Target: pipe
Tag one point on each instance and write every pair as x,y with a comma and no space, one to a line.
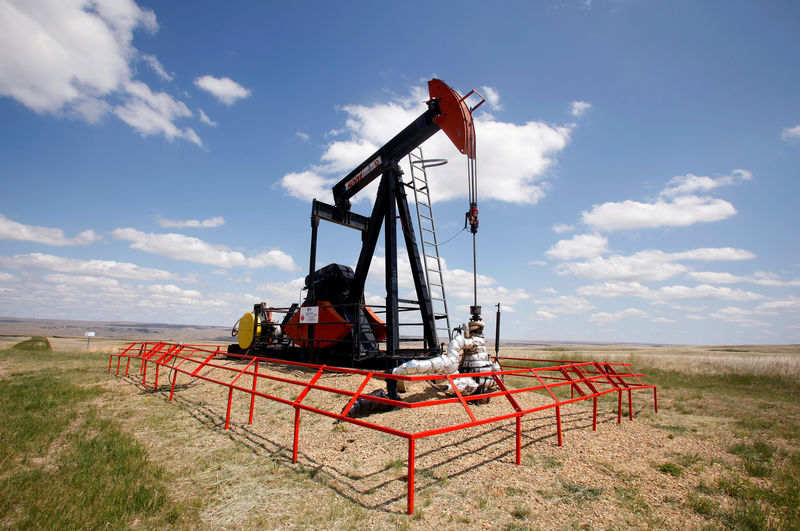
464,354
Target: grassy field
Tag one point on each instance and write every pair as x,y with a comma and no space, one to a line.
80,448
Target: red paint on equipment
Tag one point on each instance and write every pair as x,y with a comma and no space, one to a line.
328,331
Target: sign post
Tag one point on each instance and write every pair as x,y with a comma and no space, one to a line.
89,336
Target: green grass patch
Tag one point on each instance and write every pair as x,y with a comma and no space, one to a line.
36,409
63,466
702,505
37,343
581,492
671,468
756,457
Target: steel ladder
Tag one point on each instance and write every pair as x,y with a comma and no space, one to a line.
429,244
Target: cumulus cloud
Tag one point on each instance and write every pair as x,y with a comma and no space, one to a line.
677,206
679,212
690,184
579,246
12,230
180,247
647,266
492,97
224,89
205,119
562,228
283,293
790,133
605,317
100,268
92,297
668,293
568,304
515,156
579,108
153,62
152,113
73,58
789,304
761,278
308,185
216,221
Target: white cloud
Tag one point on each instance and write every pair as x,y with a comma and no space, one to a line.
689,183
579,246
216,221
103,268
544,315
100,298
205,119
643,266
71,58
790,133
82,281
515,157
180,247
703,291
308,185
790,304
303,136
605,317
734,314
224,89
568,304
667,293
579,108
664,320
679,212
615,289
761,278
677,206
492,97
153,62
152,113
562,228
12,230
282,294
62,52
712,254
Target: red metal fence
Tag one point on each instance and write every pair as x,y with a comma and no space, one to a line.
585,380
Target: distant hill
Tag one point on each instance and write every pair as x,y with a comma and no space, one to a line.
14,326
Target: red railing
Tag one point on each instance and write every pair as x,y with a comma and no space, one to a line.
587,380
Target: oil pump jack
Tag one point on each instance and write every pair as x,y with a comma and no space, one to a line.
333,325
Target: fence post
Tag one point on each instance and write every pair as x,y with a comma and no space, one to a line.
253,395
411,467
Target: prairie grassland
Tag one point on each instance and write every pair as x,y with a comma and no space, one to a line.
82,448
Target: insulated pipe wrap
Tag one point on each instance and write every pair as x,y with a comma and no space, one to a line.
465,353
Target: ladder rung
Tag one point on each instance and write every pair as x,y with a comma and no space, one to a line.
429,230
426,217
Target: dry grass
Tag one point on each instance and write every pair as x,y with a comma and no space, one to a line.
713,360
718,444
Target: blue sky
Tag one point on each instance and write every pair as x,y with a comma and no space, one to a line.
637,161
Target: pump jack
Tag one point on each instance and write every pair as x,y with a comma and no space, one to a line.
333,325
